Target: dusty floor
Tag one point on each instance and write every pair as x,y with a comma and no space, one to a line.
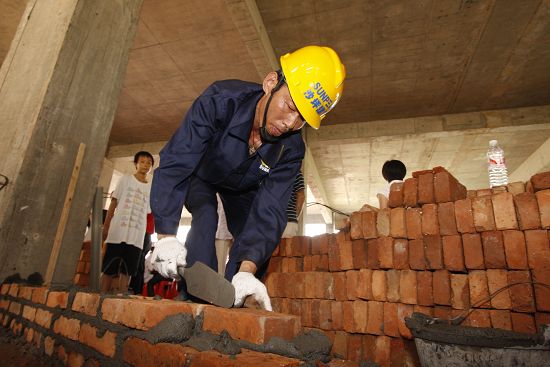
17,352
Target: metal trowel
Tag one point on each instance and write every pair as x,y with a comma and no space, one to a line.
207,285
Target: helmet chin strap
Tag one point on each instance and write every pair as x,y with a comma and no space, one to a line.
265,135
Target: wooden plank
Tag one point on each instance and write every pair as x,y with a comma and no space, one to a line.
64,214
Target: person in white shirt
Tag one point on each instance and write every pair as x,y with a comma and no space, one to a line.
125,225
393,171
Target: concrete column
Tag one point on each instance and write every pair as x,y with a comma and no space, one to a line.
59,87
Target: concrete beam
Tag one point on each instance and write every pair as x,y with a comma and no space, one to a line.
537,161
313,180
59,86
249,22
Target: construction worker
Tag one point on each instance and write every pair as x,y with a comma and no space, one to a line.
241,140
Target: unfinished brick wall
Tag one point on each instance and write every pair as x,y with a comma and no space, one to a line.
438,249
88,329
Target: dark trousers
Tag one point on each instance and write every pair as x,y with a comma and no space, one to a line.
136,282
202,203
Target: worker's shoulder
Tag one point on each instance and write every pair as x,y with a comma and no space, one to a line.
233,88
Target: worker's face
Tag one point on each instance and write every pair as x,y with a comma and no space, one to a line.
144,164
282,114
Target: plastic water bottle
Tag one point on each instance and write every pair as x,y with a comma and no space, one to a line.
498,175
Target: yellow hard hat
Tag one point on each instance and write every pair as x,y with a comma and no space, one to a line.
315,78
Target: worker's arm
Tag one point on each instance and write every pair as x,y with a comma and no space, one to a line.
178,160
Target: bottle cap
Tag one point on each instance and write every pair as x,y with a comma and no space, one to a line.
493,143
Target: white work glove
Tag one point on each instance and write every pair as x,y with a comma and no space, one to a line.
246,284
148,272
168,255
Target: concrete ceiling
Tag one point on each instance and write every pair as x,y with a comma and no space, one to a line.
404,59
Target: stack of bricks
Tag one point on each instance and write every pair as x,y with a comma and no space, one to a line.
439,250
87,329
82,273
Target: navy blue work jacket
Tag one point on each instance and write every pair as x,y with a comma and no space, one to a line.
212,143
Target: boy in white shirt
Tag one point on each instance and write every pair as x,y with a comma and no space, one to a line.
125,224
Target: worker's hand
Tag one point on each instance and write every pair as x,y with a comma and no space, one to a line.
168,255
246,284
148,273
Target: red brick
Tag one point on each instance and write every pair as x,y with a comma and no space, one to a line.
356,228
375,319
364,284
347,316
522,293
424,281
543,201
385,252
473,251
333,253
430,224
479,289
516,187
542,293
527,211
354,347
319,244
140,353
15,308
453,255
26,292
413,219
398,227
106,344
402,312
392,285
29,313
460,293
5,288
383,222
500,319
497,279
146,313
408,286
538,249
541,181
426,188
359,253
400,253
479,318
368,224
493,248
336,315
352,279
416,174
442,287
67,327
75,359
340,344
339,284
346,255
379,285
529,187
464,216
43,318
275,264
504,210
433,252
14,290
391,324
396,195
382,351
523,323
57,299
372,254
307,264
484,219
276,251
542,318
484,192
322,264
446,218
446,187
306,311
86,303
300,246
323,282
443,313
515,249
417,260
410,192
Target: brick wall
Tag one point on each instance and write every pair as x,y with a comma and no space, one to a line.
86,329
439,249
